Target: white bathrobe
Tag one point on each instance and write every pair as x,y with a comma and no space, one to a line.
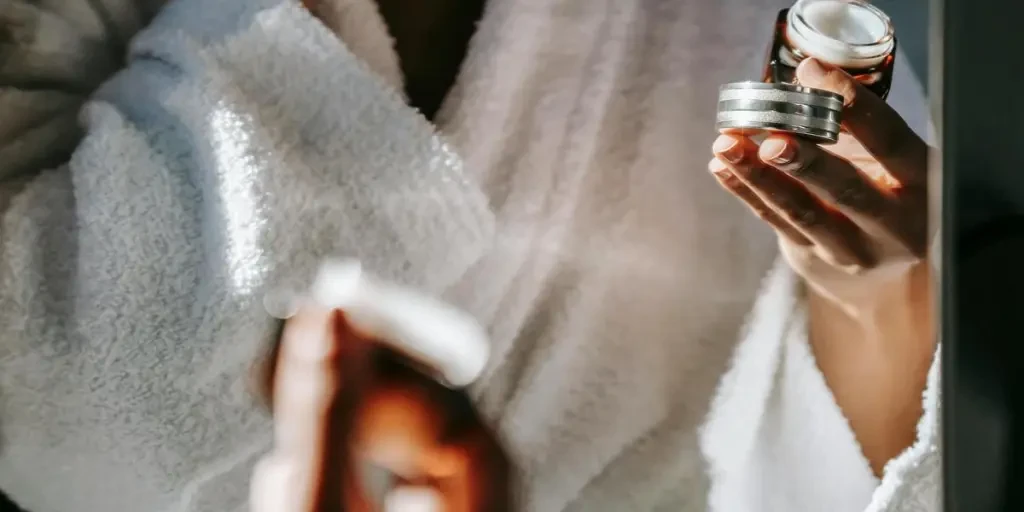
561,197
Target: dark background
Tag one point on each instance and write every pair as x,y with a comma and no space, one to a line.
982,275
910,17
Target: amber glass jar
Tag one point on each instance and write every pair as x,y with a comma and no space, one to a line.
851,34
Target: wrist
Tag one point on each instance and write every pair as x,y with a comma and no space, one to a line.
897,307
875,353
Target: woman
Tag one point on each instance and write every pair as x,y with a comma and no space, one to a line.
558,193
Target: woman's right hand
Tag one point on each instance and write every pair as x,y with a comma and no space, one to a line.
335,407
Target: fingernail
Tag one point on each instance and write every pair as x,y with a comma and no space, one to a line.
726,178
728,148
781,152
811,72
281,303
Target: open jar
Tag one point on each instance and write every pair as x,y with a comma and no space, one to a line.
851,34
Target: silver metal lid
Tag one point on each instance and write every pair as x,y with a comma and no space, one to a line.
777,107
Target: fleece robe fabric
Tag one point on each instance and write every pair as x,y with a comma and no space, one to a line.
159,186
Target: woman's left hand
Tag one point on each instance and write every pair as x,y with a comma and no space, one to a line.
852,217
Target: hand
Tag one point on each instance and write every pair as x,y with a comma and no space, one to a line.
340,400
851,218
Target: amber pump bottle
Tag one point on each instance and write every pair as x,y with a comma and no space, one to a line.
851,34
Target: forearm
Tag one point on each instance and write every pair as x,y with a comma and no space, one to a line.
875,354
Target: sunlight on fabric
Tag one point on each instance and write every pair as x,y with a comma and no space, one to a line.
237,173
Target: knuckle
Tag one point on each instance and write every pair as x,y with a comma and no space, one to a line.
808,217
753,173
717,167
763,213
852,195
804,217
805,168
731,182
841,83
845,86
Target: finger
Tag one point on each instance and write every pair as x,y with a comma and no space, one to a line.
841,184
826,227
264,370
871,120
833,177
480,477
731,183
306,381
271,486
278,485
312,417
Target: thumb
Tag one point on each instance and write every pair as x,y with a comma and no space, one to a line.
872,121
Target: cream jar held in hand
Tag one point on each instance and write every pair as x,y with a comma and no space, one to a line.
850,34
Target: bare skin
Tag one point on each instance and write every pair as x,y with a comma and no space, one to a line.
355,402
876,362
852,222
868,289
341,400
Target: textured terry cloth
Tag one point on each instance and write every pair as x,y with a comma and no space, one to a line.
243,142
241,145
777,442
